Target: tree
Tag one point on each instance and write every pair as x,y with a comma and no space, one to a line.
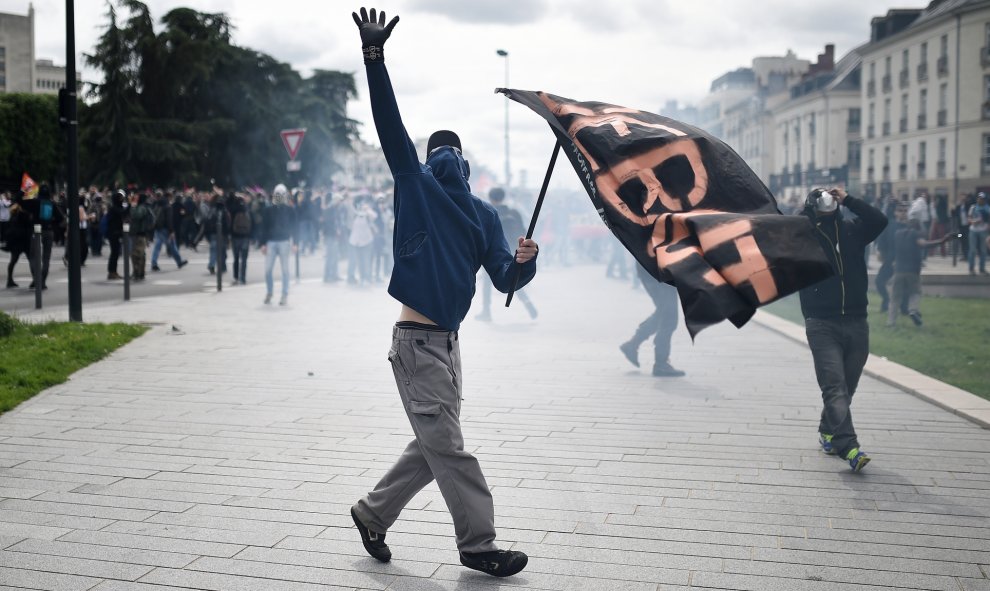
30,139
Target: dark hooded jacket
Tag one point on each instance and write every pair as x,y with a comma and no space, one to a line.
844,242
443,234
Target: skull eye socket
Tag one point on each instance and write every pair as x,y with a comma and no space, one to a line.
677,177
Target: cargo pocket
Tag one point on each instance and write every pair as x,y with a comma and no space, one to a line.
418,407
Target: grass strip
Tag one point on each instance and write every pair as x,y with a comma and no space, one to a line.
950,346
34,357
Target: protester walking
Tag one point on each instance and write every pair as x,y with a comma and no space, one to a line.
240,237
660,325
443,235
48,216
115,232
142,227
910,243
835,311
18,236
277,238
979,222
512,228
164,233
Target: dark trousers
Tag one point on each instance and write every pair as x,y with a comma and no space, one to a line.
839,347
114,253
47,238
241,248
662,323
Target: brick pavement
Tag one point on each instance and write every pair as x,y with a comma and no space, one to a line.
224,456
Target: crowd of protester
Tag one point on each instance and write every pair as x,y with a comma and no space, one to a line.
354,228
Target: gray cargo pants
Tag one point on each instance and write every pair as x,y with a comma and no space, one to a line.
427,368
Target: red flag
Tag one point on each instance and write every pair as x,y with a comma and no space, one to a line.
28,186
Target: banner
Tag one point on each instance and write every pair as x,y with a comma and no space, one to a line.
686,206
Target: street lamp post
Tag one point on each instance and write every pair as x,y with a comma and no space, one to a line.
72,165
508,173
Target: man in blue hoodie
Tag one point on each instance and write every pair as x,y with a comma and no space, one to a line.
443,235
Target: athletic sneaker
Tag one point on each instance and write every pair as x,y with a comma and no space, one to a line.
374,542
631,351
497,563
857,459
826,442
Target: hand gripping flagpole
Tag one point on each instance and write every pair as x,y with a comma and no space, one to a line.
532,221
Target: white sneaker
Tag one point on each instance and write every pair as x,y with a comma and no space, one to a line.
283,300
268,298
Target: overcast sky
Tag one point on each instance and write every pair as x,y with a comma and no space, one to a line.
443,63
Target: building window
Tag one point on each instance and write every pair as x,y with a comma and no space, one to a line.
923,109
854,151
986,154
869,165
902,169
854,123
940,165
886,116
886,163
944,46
904,59
872,120
922,159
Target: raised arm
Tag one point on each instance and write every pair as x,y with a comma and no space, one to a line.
400,152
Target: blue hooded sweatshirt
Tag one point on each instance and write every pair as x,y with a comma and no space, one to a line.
443,234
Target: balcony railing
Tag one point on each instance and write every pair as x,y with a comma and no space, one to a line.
905,78
921,169
922,71
903,126
985,56
853,127
886,83
902,172
943,66
871,88
940,169
886,127
870,134
922,121
943,117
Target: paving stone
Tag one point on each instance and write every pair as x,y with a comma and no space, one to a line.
240,480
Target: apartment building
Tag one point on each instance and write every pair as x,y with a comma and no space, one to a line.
926,101
17,52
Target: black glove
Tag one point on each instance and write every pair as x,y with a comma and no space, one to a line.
374,33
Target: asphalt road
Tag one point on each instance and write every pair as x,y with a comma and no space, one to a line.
194,277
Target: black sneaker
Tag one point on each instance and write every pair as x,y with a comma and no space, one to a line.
498,563
155,268
915,317
374,542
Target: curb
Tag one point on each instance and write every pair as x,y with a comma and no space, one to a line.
955,400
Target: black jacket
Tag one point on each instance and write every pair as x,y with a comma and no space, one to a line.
279,224
844,242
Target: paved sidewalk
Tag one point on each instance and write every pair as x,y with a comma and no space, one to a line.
224,454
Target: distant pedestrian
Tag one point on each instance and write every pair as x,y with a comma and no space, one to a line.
142,227
835,311
444,234
660,325
277,237
979,222
240,236
909,244
49,217
115,232
164,232
513,229
331,244
18,237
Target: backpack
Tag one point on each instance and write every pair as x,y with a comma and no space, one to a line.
46,210
242,223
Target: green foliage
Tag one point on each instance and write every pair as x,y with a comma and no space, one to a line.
183,105
30,138
38,356
7,325
950,346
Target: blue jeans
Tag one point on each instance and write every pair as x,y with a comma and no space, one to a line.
162,237
839,347
978,248
280,249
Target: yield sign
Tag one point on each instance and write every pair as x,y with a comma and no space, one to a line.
292,139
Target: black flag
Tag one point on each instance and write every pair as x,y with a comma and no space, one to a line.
686,206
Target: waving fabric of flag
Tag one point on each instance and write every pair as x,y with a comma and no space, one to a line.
686,206
28,186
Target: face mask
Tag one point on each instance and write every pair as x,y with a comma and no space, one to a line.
826,203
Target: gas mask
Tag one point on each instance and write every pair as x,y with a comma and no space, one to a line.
823,201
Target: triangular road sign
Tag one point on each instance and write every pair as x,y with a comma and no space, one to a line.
292,139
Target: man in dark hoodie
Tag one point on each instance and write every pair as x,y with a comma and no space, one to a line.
443,236
835,314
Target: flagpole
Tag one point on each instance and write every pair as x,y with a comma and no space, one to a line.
532,221
74,245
